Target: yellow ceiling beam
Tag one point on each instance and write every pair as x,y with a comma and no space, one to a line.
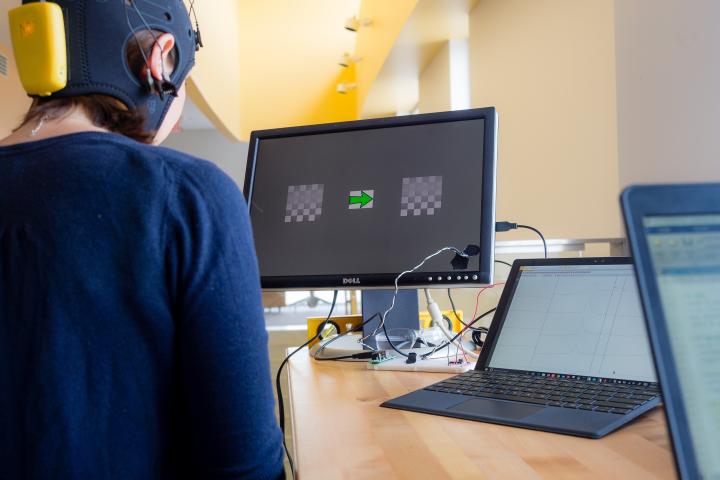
271,64
333,106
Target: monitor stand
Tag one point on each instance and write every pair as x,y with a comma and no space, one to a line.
404,315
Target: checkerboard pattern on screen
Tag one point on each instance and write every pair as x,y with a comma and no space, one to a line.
304,203
421,196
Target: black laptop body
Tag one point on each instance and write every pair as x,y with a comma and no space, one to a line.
619,384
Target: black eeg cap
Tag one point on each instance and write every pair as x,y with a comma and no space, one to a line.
97,38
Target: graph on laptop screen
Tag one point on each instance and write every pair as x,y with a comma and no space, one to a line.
576,320
685,252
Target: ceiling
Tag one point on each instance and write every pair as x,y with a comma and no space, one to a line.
269,64
272,64
433,22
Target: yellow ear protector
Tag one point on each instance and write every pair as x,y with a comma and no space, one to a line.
38,37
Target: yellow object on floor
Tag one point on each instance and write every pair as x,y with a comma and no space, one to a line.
456,325
342,324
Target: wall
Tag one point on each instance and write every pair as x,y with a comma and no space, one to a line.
434,83
444,82
459,73
13,100
212,145
549,68
374,43
213,82
396,89
668,76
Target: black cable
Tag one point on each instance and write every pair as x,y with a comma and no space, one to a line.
355,328
354,356
382,322
528,227
165,85
477,336
278,386
362,354
198,36
503,262
448,322
336,337
459,334
390,341
452,304
507,226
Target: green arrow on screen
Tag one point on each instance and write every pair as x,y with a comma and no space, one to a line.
363,199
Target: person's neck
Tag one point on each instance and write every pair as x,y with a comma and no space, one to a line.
75,121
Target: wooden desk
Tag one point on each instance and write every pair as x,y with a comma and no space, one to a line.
340,432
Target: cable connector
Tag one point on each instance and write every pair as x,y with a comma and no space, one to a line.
505,226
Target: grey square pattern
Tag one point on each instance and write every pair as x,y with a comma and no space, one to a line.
304,203
421,196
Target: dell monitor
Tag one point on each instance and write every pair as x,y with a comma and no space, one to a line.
354,204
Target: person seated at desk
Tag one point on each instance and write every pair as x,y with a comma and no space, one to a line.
132,340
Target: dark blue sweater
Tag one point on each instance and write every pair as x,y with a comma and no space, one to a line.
132,341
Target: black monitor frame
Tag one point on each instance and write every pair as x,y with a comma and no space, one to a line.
350,280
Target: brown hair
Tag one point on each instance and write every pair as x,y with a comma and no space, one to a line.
103,110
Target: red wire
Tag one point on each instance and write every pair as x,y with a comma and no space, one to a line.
477,302
459,346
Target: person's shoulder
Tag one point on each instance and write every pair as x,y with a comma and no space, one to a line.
186,169
179,160
196,180
194,170
189,174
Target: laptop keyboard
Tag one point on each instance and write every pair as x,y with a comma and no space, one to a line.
551,390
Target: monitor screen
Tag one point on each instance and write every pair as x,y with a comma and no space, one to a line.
685,253
356,203
581,320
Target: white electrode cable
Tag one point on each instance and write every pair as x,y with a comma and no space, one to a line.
438,321
397,279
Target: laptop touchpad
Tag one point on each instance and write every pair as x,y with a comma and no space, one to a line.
496,408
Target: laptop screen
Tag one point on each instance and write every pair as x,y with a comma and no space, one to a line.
583,320
685,252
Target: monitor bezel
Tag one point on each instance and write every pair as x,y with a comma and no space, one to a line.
638,203
350,280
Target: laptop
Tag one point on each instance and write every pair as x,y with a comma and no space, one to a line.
674,233
567,352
